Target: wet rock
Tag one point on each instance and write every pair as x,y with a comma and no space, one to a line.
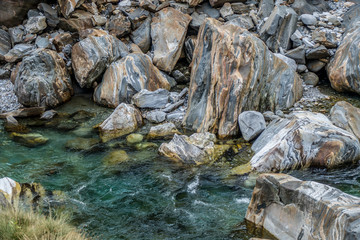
189,47
119,26
196,149
151,99
13,12
347,117
162,131
134,138
115,157
168,32
318,53
9,192
51,15
251,124
42,80
29,139
124,78
145,145
307,209
91,56
48,115
18,52
343,70
5,44
235,83
306,139
35,24
155,116
219,3
12,125
16,34
68,6
25,112
124,120
278,28
310,78
81,144
141,36
308,19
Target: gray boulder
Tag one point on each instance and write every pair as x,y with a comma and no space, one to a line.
16,34
310,78
155,116
308,19
265,8
251,124
290,62
35,24
151,99
51,14
142,35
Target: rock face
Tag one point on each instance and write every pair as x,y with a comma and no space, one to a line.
126,77
251,124
233,71
306,139
346,116
168,32
124,120
91,56
293,209
42,80
344,70
13,12
279,27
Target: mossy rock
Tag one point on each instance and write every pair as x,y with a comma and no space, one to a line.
145,145
115,157
134,138
242,169
29,139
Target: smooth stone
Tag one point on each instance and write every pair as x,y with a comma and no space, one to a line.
298,54
308,19
318,53
316,66
115,157
155,116
310,78
51,14
29,139
134,138
163,131
290,62
251,124
145,145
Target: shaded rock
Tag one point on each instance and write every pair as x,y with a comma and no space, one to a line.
51,15
25,112
9,192
197,20
310,78
189,47
68,6
250,77
134,138
175,116
12,125
265,8
165,130
18,52
219,3
119,26
208,10
155,116
315,65
196,149
347,117
80,144
151,99
310,6
124,120
13,12
306,139
308,19
343,70
5,44
278,28
318,53
241,8
168,32
91,56
16,34
288,208
137,17
298,54
142,35
179,77
80,20
61,40
251,124
115,157
29,139
48,115
42,80
328,39
124,78
35,24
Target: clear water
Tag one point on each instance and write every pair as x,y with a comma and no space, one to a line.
148,197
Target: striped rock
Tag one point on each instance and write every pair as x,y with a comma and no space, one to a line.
42,80
168,32
91,56
126,77
293,209
233,71
344,68
346,116
306,139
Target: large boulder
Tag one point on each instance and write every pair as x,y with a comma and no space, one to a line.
289,208
168,32
91,56
42,80
13,12
343,69
233,71
124,120
126,77
346,116
305,139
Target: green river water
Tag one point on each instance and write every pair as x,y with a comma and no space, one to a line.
148,197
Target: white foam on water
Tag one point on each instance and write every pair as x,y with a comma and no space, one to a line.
242,200
192,187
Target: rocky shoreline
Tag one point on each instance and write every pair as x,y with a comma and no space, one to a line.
219,70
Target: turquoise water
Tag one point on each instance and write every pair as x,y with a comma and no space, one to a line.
148,197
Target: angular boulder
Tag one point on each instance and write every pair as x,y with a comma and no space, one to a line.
68,6
233,71
124,78
168,32
346,116
124,120
91,56
306,139
151,99
162,131
142,35
343,70
42,80
289,208
35,24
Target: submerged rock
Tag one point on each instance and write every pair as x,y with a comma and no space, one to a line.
126,77
306,139
29,139
134,138
80,144
293,209
124,120
43,80
168,32
115,157
233,71
346,116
